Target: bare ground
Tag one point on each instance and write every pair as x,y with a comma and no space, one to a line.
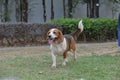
83,49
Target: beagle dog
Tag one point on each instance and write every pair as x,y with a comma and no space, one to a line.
60,44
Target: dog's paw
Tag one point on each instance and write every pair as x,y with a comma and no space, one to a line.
64,63
53,66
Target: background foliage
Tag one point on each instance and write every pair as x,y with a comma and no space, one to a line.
95,29
21,34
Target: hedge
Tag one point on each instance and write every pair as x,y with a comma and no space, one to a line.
24,34
95,29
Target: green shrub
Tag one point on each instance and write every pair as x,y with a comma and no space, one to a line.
95,29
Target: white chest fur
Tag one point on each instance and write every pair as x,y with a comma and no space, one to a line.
58,48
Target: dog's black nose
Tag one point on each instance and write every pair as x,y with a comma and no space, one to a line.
49,36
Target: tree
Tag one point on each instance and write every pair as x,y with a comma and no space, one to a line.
24,6
70,8
6,13
1,10
52,10
114,6
18,11
97,8
21,10
64,9
44,10
92,7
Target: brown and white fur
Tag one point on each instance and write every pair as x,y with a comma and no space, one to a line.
60,45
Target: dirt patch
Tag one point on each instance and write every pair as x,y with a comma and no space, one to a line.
98,48
83,49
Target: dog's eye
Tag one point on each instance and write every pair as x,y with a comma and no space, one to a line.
54,32
48,33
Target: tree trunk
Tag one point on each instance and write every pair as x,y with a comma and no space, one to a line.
44,10
88,9
97,8
93,8
24,10
64,10
21,10
70,14
18,11
52,10
92,14
6,13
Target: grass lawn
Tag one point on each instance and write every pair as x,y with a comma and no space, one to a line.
37,67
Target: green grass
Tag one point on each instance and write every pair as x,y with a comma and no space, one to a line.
103,67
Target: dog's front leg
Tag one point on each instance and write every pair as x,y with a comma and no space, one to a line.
54,60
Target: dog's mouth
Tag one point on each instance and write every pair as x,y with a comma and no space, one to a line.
52,40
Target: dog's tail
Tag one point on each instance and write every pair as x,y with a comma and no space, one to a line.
80,28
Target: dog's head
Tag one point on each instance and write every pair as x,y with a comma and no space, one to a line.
54,36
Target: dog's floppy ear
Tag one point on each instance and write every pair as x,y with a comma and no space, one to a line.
47,34
61,36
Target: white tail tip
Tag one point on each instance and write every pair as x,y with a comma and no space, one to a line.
80,25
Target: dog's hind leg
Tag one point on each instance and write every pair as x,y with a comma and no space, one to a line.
75,56
65,57
73,48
